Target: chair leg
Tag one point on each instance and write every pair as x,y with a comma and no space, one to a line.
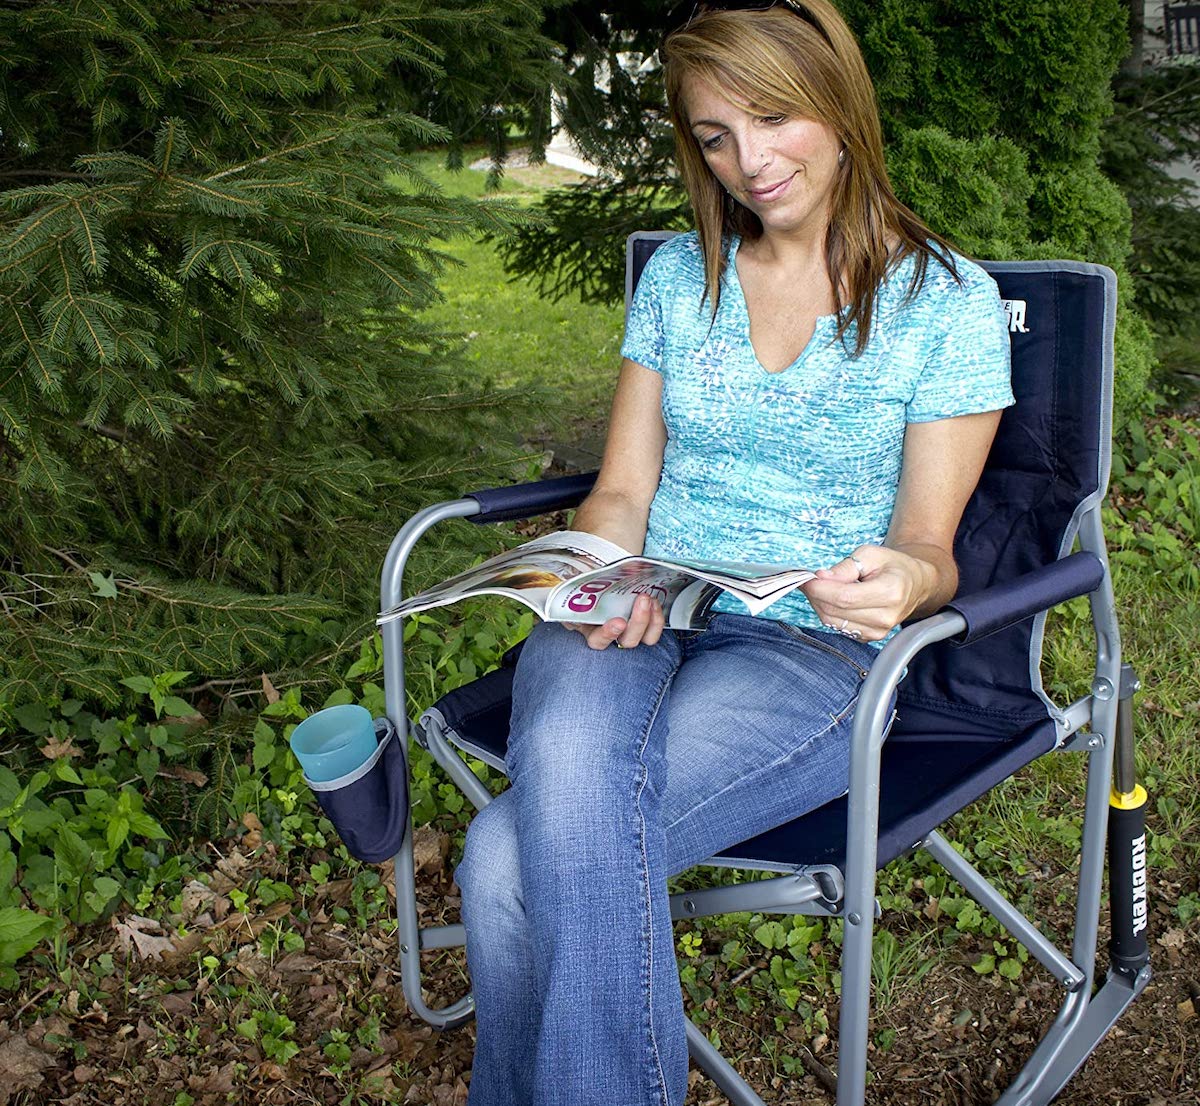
718,1069
854,1019
408,933
1072,1039
1084,1018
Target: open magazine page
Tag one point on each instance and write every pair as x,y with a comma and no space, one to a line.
528,573
746,579
610,593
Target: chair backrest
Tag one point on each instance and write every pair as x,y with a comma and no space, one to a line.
1181,28
1048,465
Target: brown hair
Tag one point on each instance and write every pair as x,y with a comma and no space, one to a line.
779,63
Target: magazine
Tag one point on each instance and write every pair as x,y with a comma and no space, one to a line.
573,576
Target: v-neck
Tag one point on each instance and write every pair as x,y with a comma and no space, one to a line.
735,285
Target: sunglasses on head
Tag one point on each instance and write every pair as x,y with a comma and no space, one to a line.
681,16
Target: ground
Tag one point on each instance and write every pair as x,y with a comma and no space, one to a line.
168,1026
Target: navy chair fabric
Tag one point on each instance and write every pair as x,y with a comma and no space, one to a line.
369,806
526,500
972,712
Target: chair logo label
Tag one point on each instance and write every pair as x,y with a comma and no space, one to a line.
1140,902
1015,310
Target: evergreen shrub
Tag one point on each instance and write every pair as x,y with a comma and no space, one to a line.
217,393
993,112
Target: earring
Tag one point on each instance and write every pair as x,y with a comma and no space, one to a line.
841,157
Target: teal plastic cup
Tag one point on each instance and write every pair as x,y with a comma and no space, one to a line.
334,741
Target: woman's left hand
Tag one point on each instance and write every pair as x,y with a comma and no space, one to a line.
869,592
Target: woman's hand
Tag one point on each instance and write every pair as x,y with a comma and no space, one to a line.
872,590
644,626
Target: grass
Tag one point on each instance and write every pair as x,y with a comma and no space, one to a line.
562,351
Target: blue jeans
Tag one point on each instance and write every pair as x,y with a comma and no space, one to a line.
628,766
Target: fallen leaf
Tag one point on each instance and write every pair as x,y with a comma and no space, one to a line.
253,837
178,1002
271,1070
255,925
54,749
220,1081
430,849
21,1067
269,691
195,898
1186,1010
298,963
188,775
144,935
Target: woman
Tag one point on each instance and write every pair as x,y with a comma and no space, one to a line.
811,378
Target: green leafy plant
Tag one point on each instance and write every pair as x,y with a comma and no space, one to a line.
272,1031
1155,518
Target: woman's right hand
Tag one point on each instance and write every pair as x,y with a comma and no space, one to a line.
644,626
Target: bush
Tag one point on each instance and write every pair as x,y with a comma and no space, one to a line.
216,386
992,112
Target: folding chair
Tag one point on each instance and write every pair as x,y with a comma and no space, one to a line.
971,708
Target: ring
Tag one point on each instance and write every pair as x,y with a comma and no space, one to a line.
618,645
862,571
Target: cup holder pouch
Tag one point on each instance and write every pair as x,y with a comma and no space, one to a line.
369,806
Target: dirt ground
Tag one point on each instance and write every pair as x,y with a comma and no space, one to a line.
160,1029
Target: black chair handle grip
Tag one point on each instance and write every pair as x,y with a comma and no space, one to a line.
528,500
1004,605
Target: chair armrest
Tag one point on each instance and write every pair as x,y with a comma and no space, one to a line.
527,500
1004,605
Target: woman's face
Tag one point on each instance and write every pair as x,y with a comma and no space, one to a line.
781,168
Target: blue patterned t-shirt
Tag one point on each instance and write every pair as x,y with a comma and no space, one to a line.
801,467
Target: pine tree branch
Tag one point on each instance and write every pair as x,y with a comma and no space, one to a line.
276,155
45,174
112,433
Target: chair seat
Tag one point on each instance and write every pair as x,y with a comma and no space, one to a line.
927,778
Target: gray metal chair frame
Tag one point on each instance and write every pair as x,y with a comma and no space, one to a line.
1098,724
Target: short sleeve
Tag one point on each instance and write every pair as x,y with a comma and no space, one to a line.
644,339
969,370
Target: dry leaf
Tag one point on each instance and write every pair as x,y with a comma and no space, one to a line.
241,923
53,749
1186,1010
178,1002
232,867
21,1067
187,944
253,837
220,1081
144,935
430,849
1173,939
298,963
196,897
188,775
269,689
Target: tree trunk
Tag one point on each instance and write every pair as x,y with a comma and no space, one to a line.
1134,60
